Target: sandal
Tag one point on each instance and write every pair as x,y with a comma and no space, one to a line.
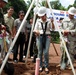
46,70
40,70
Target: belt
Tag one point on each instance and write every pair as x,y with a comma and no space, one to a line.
45,34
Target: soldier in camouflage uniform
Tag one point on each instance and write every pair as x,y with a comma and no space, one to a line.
68,29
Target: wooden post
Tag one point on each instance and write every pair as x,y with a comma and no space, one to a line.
54,48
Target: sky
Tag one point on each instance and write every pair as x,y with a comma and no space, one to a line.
65,3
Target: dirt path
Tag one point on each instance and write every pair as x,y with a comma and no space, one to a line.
29,67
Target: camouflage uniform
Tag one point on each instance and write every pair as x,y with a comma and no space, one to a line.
70,40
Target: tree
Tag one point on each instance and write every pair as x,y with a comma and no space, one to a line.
18,5
54,4
31,12
69,6
74,4
57,5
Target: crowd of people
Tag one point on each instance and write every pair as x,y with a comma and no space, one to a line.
41,38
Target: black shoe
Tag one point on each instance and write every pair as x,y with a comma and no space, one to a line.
22,61
34,59
16,61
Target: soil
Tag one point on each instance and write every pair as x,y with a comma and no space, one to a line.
29,67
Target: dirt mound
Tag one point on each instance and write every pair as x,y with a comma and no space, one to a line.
29,67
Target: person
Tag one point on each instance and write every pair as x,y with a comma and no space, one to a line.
60,21
9,22
1,28
21,38
29,26
42,32
68,29
2,35
3,3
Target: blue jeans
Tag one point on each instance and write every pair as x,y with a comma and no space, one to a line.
43,51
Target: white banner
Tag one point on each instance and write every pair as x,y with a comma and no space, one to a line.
58,14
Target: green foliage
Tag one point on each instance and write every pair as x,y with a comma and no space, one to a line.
18,5
55,36
43,3
74,4
69,6
31,12
57,5
54,4
21,5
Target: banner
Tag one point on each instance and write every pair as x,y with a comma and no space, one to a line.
58,14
